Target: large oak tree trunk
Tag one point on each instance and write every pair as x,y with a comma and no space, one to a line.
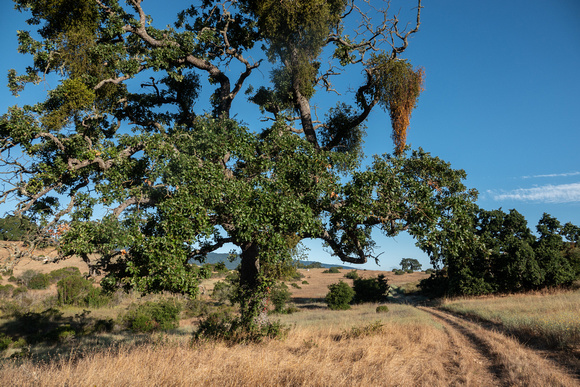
253,296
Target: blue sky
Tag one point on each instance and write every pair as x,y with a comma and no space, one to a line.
501,101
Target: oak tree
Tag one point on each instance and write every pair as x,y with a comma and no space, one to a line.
135,148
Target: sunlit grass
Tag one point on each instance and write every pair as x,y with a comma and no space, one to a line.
321,318
553,319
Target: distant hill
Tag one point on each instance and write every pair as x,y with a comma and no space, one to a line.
214,258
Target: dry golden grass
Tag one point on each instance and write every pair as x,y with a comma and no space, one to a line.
409,347
550,316
407,355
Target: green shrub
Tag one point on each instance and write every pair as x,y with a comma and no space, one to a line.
339,296
399,272
224,326
39,281
218,326
371,289
25,277
195,308
6,290
12,279
223,291
5,341
57,275
72,290
332,270
429,271
382,309
352,275
305,282
279,297
19,290
221,268
96,298
295,285
153,316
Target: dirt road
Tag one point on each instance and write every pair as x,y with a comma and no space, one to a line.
489,358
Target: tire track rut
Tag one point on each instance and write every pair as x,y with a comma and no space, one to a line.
485,357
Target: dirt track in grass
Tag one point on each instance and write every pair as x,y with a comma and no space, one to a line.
496,359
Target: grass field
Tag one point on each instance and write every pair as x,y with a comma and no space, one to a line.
406,346
552,318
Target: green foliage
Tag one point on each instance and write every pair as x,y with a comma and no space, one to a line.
410,264
339,296
16,228
382,309
371,289
332,270
72,290
504,256
227,289
78,291
223,326
5,341
19,290
223,291
153,316
295,285
6,290
39,281
353,274
313,265
125,127
279,296
221,268
58,274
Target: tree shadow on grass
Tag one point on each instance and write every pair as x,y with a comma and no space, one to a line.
309,303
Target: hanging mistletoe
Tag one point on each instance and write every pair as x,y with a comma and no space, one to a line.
397,86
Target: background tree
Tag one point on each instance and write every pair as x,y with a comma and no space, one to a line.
410,264
151,178
16,228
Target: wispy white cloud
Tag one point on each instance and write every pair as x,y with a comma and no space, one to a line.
553,175
562,193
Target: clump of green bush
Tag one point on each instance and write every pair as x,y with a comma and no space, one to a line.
352,275
332,270
371,289
58,274
223,326
78,291
382,309
153,316
6,290
5,341
280,295
339,296
39,281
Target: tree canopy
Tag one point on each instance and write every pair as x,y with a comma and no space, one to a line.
136,151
